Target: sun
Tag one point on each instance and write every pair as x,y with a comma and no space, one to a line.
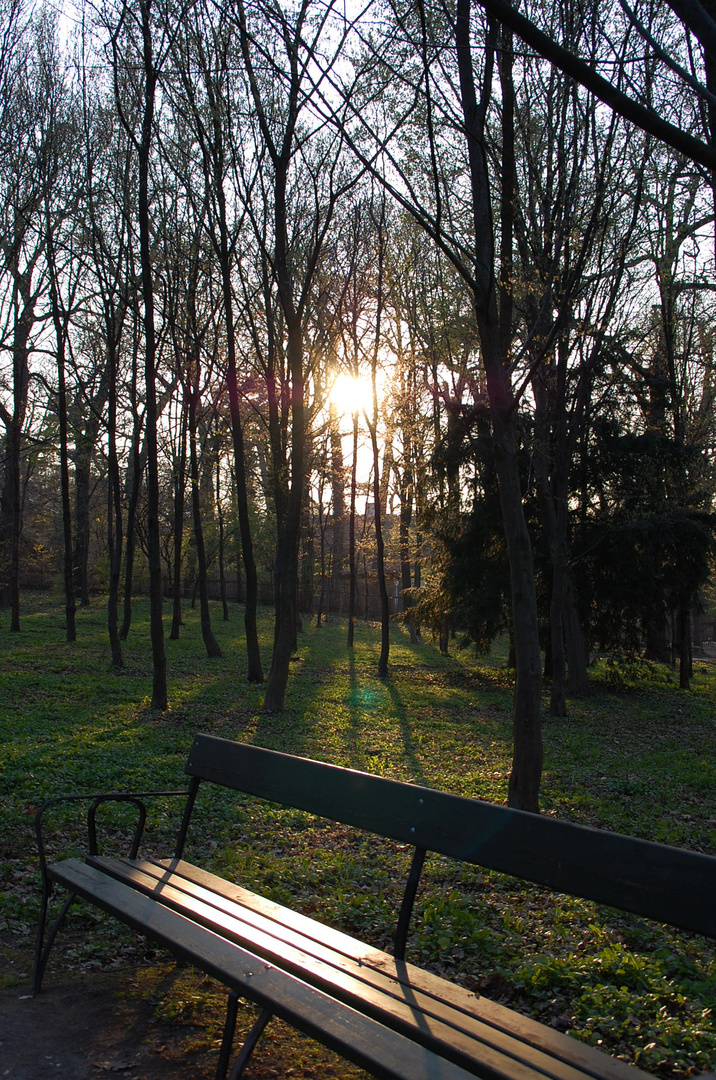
350,394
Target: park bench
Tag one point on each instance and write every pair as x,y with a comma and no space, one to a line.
388,1016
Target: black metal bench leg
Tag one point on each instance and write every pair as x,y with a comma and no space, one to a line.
247,1049
249,1044
42,948
222,1066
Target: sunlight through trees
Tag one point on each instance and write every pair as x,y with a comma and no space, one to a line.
394,311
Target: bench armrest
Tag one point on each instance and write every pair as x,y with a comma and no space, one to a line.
95,801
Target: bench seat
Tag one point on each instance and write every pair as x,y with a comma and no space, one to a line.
295,965
388,1016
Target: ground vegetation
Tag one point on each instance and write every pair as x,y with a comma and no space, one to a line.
636,756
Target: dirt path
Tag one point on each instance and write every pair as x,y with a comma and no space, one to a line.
150,1023
82,1030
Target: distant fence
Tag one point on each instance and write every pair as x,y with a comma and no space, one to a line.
335,600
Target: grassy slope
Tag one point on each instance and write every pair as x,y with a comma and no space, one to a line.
638,756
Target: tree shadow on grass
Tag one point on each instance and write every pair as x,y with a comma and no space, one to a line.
361,697
417,773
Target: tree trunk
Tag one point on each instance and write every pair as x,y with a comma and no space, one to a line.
82,460
159,660
307,559
289,532
526,771
114,515
222,570
685,656
322,557
338,481
11,508
210,643
21,382
406,515
577,659
255,672
697,637
554,524
380,488
60,340
352,568
558,689
380,559
137,469
523,791
16,526
179,501
85,442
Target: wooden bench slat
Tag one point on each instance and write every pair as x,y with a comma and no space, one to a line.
455,1033
382,1051
409,1019
540,1036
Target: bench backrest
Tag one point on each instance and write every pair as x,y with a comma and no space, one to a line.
653,880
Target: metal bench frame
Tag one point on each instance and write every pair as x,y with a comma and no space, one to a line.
388,1016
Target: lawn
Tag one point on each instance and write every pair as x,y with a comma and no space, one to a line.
638,755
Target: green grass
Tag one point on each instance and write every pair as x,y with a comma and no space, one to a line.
637,755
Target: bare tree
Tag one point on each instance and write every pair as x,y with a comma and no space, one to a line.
483,258
300,174
192,321
209,44
107,185
30,160
134,31
65,268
